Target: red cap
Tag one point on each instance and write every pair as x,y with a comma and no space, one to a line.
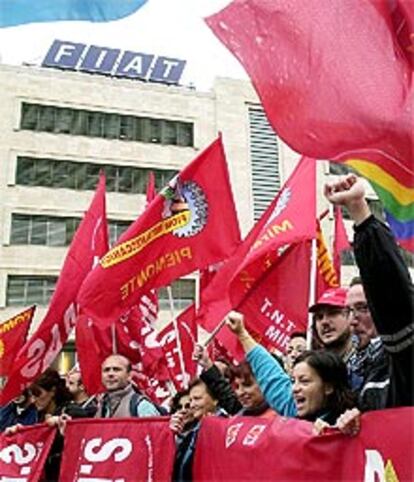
331,297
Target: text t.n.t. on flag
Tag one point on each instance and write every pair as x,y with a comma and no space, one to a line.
89,243
192,223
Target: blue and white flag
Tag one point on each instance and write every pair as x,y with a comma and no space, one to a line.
17,12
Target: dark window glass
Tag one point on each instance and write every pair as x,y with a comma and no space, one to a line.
29,116
116,228
83,176
20,229
62,120
27,290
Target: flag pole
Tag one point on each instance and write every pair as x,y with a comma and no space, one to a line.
177,335
312,292
214,333
114,344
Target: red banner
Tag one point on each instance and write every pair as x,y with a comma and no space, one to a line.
13,333
247,448
23,455
118,450
89,244
178,353
192,223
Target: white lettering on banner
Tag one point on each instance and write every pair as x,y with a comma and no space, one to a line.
40,356
253,435
374,467
150,467
14,454
108,449
94,451
232,433
284,326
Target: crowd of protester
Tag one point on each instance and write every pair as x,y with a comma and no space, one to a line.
362,359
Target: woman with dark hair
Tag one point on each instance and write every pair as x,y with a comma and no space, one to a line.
318,388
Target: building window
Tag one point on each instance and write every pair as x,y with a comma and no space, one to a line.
82,176
29,229
264,155
183,293
62,120
29,290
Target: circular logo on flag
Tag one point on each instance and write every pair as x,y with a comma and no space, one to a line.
186,197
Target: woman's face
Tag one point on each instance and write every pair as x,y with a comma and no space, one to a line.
309,390
184,407
248,392
43,399
201,403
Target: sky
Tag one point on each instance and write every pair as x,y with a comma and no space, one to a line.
172,28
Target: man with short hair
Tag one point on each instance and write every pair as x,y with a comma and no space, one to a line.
121,399
389,294
81,405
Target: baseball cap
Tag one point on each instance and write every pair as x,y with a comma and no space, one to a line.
331,297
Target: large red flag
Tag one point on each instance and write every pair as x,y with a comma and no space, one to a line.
118,450
13,333
192,223
179,353
290,218
23,455
334,90
286,450
89,243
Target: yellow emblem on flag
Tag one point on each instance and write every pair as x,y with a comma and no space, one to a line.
1,348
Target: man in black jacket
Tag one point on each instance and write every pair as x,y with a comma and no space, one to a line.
389,294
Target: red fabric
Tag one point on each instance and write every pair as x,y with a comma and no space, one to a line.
89,243
284,221
13,333
187,331
125,450
341,242
23,455
331,89
277,303
161,246
286,450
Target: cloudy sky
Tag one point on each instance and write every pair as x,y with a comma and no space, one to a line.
173,28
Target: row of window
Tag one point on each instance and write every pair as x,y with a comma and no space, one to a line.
29,290
54,230
32,171
62,120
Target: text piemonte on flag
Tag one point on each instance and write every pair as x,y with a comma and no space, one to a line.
192,223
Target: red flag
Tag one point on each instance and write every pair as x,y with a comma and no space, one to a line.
276,304
320,75
118,450
290,218
281,449
23,455
187,332
333,90
341,242
192,223
13,333
89,243
151,192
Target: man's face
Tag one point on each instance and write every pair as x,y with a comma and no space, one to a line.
201,402
73,383
332,326
359,316
115,374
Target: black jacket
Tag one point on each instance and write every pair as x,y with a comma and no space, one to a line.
221,389
390,296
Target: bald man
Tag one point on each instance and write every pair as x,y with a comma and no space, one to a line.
121,399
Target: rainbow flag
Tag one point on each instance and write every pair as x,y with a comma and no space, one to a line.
394,185
18,12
